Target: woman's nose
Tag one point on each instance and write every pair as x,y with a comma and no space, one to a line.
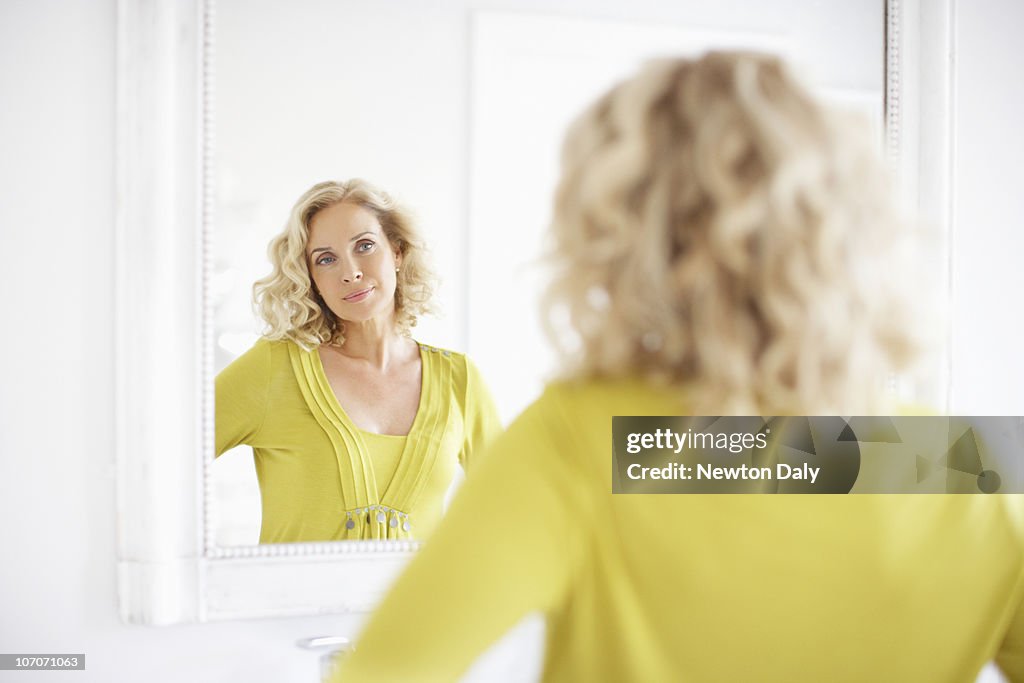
354,276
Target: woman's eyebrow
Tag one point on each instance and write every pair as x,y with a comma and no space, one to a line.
362,234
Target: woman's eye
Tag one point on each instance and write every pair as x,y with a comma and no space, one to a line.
325,260
364,247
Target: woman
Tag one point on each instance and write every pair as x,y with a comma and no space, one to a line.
722,244
355,427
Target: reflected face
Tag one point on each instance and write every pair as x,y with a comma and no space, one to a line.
352,263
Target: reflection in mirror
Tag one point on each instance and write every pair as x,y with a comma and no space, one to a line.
355,427
456,110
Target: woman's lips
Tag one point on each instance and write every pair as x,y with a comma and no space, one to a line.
356,297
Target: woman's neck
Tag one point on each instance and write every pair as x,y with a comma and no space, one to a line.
374,342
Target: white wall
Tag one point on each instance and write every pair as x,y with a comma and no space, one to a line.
57,585
988,246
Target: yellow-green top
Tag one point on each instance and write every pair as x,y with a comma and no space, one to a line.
324,479
696,587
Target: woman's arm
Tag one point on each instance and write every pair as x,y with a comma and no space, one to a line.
241,396
482,422
1010,656
508,546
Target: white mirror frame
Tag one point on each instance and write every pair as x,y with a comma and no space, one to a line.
169,570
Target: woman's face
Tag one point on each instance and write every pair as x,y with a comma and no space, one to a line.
352,263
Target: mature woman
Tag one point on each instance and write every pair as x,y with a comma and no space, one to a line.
723,248
355,427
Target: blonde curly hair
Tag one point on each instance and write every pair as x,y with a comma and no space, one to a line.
715,227
287,300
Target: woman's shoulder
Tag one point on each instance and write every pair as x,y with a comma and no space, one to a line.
265,347
583,399
443,352
624,394
261,357
459,362
458,366
275,347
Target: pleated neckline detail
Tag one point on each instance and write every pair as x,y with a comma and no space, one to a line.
373,509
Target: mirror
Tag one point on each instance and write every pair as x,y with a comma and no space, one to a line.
227,114
459,112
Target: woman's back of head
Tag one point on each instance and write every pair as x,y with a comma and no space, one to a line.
716,226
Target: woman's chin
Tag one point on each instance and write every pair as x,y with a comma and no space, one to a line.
360,315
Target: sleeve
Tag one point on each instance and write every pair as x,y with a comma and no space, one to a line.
482,421
507,547
241,393
1010,657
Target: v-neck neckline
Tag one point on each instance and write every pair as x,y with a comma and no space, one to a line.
427,441
318,367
